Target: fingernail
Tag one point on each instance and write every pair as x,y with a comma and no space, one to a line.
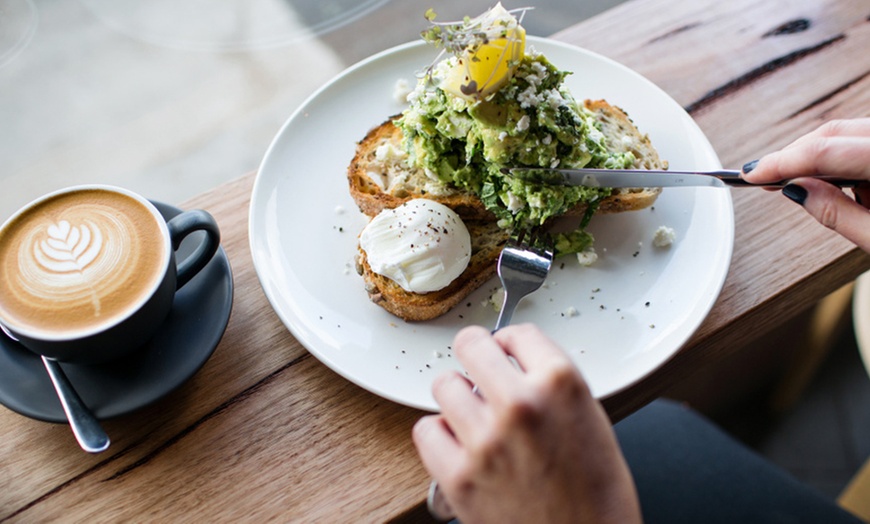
749,166
795,193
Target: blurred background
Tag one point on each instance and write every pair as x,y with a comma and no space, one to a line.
171,98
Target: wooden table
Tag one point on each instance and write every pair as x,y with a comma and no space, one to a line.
266,431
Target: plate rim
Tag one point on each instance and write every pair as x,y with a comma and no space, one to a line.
298,331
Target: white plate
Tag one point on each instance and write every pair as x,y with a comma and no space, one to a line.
637,305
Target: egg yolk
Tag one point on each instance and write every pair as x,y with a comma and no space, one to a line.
485,70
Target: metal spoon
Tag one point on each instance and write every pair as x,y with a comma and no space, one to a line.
85,426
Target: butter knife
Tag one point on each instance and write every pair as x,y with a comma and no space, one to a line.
621,178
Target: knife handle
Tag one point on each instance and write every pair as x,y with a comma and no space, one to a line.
733,179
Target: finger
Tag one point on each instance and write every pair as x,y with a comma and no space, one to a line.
460,406
486,362
855,127
531,348
550,372
833,209
438,449
847,157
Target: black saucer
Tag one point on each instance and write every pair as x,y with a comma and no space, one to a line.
187,339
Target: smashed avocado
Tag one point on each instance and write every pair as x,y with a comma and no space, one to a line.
532,121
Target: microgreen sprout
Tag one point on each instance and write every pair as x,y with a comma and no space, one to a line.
464,38
470,33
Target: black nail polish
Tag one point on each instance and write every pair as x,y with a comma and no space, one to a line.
796,193
749,166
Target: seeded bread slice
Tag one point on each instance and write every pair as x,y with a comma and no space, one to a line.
622,136
379,177
487,240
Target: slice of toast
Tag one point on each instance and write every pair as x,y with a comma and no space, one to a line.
622,135
487,240
380,178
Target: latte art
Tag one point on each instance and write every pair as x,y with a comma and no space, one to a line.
69,248
80,260
59,261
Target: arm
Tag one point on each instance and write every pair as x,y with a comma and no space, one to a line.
838,148
534,446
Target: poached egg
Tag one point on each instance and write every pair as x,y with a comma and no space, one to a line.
421,245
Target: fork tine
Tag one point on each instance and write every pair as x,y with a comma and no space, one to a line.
534,236
549,244
518,236
541,239
530,237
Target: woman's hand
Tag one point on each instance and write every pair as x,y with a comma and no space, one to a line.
839,148
534,446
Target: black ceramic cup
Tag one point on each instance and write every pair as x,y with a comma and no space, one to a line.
89,273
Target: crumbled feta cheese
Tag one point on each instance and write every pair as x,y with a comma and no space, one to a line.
401,90
528,98
515,203
388,153
664,236
555,99
523,123
571,312
587,257
595,134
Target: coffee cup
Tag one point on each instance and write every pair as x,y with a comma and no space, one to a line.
89,273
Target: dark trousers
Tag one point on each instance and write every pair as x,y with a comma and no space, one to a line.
687,470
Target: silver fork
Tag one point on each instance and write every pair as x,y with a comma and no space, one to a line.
523,266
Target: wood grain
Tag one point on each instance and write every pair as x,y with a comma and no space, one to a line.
749,73
264,431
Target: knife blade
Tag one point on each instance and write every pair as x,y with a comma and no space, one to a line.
630,178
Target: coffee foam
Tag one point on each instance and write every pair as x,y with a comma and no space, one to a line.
78,261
